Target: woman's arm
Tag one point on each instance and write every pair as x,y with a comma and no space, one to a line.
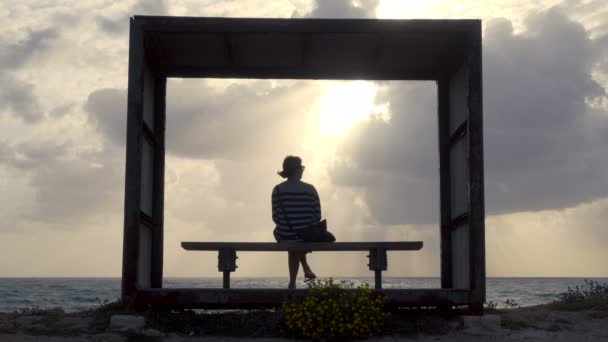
317,211
275,205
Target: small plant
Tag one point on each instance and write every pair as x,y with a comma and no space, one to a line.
333,310
491,305
508,304
511,304
590,290
591,295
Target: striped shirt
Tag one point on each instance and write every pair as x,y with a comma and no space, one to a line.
301,204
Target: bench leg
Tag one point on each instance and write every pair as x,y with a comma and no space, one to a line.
377,263
226,263
226,279
378,276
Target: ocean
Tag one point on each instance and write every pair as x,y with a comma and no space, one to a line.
75,294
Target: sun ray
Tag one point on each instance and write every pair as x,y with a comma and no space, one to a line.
346,103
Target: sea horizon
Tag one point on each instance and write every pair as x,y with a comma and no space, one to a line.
82,293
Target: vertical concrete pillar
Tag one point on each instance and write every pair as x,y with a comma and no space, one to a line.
476,176
144,173
133,165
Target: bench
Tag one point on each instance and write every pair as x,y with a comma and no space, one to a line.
377,252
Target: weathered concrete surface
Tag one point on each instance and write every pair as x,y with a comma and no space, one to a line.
526,324
45,324
481,325
81,338
7,323
524,335
127,323
151,333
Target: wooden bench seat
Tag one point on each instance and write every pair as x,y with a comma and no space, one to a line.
377,252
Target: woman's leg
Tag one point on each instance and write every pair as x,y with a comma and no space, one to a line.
294,265
307,271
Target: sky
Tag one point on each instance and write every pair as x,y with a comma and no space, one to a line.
370,148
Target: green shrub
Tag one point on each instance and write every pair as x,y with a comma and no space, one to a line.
508,304
591,295
590,290
333,310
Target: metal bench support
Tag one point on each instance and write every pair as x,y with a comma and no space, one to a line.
377,252
377,263
226,263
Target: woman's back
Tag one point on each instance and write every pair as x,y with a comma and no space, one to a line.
294,203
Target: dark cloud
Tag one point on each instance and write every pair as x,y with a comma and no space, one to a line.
119,24
541,148
17,97
592,13
396,162
113,26
544,145
13,56
29,156
343,9
107,109
203,122
239,122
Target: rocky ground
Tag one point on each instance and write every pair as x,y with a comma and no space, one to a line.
540,323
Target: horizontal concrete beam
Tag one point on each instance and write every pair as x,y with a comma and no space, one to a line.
267,298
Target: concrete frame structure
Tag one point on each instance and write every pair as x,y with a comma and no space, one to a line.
446,51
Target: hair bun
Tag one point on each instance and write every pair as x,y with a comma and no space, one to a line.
291,164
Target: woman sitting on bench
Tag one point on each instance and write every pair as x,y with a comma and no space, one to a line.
295,205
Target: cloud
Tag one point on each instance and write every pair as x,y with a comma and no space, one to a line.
112,25
343,9
544,145
118,23
150,7
396,162
541,140
107,109
69,186
17,97
239,122
210,123
73,190
13,56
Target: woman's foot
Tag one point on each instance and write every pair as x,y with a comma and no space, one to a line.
308,276
291,286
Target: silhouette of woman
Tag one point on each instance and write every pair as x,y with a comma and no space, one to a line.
295,205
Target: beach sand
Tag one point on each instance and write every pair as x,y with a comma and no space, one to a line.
524,324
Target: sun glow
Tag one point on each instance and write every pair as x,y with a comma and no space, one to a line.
344,104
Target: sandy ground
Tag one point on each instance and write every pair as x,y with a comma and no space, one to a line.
527,324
